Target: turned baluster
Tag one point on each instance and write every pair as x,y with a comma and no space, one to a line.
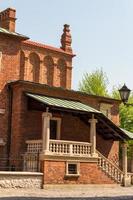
71,149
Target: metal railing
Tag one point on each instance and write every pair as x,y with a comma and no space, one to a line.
23,162
31,162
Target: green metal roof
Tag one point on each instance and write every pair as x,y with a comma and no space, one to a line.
128,133
63,103
78,106
2,30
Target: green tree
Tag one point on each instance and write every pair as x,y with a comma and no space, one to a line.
94,83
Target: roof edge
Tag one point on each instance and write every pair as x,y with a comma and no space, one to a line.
43,46
60,88
13,34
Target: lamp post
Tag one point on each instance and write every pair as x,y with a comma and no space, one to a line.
124,94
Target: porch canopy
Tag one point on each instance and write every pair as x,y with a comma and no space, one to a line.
105,126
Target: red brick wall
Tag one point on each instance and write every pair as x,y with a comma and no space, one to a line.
54,173
74,129
10,60
4,120
109,148
115,114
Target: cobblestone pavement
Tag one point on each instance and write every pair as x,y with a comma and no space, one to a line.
71,193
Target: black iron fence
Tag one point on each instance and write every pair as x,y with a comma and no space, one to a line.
24,162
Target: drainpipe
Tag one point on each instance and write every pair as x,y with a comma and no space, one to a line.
10,97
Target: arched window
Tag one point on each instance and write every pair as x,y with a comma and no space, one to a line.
49,64
22,65
34,68
62,72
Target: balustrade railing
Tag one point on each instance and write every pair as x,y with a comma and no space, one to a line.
110,168
63,147
34,146
60,147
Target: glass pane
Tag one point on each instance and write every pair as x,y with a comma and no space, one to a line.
72,169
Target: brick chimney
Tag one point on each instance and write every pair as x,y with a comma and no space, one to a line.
66,39
7,19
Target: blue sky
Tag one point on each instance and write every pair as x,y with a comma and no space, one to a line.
102,33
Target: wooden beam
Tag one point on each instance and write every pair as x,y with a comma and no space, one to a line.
115,133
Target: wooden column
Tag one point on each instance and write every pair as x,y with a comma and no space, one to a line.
93,122
45,131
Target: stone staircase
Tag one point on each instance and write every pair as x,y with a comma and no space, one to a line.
110,169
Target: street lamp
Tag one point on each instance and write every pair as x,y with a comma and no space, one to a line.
124,94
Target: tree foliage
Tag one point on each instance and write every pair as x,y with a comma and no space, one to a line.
94,83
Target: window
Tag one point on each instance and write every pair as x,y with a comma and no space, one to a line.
55,128
72,169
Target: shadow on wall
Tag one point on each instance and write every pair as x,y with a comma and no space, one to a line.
68,198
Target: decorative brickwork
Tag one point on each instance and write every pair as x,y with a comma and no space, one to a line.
7,19
66,39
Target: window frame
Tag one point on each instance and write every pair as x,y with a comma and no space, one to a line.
77,168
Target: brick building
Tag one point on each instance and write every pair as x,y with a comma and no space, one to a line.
70,136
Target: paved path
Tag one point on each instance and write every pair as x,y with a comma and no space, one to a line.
72,193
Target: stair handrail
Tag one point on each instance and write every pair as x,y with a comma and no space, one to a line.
115,166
